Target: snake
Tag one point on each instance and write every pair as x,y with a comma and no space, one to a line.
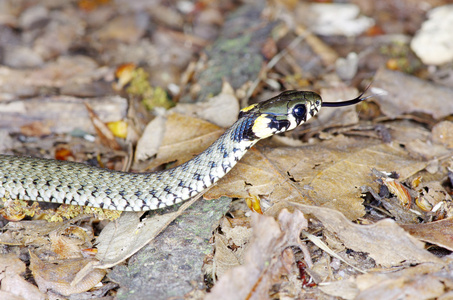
49,180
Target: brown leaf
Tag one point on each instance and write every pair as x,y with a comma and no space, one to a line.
230,246
386,242
417,95
221,110
36,128
443,133
17,286
105,135
10,263
59,277
399,190
184,138
439,233
425,281
69,244
328,174
265,259
29,233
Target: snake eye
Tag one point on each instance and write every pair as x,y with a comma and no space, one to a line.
299,111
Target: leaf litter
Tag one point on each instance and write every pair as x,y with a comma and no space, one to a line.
330,178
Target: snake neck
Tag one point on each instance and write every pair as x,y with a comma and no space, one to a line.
208,167
79,184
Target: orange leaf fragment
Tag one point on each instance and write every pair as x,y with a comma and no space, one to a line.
399,191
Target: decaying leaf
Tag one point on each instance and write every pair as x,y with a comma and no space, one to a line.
328,175
424,281
386,242
265,259
439,233
230,247
59,277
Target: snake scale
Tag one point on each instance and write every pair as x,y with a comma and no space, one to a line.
47,180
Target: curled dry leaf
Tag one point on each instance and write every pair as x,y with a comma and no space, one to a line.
386,242
106,136
265,259
439,233
400,191
59,277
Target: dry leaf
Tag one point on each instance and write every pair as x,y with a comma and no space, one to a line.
417,95
221,110
442,133
64,113
184,138
328,174
399,190
439,233
339,116
230,246
151,139
105,135
10,264
17,286
265,259
59,277
69,242
225,258
121,239
424,281
386,242
29,233
36,128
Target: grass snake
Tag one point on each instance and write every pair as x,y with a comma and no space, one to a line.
48,180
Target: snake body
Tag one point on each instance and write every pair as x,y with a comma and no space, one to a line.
47,180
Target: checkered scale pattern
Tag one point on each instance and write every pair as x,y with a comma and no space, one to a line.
55,181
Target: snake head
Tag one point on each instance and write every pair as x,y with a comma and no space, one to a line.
281,113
